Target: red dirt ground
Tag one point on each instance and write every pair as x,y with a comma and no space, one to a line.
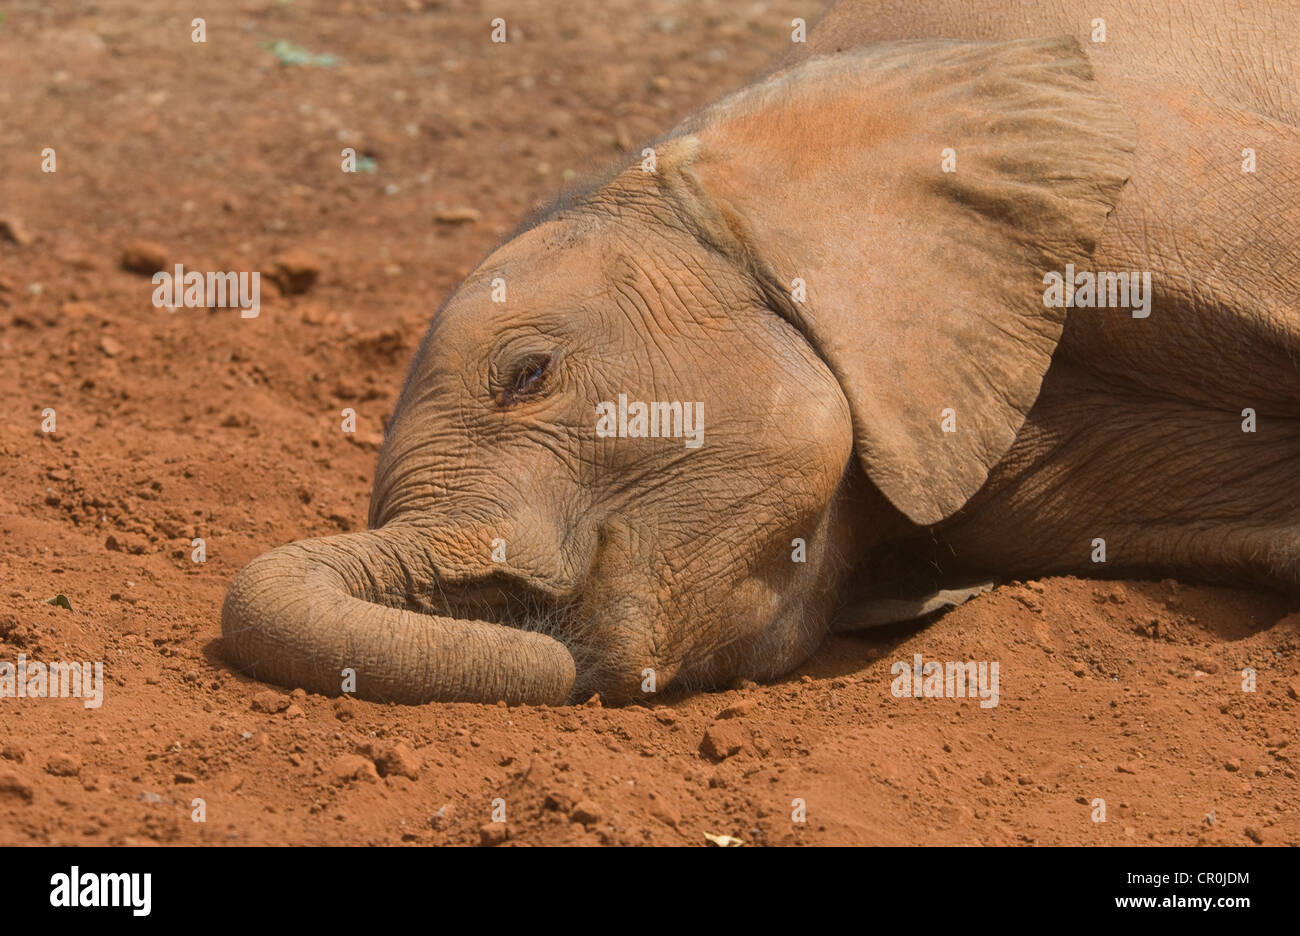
197,423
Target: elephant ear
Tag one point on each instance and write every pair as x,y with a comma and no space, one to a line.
922,289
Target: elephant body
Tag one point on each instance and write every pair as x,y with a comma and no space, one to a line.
1148,411
845,267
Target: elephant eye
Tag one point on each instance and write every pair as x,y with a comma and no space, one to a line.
528,378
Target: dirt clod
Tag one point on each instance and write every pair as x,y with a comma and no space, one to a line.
396,759
721,741
144,257
13,786
559,800
63,765
739,709
344,708
13,230
351,767
295,271
270,702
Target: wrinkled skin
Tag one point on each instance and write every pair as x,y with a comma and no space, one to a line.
619,547
641,540
1136,435
638,564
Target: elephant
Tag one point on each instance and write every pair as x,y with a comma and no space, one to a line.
953,293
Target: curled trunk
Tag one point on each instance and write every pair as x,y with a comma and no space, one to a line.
301,614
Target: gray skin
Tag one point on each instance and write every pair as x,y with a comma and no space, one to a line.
799,263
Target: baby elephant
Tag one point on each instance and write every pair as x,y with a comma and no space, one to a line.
907,313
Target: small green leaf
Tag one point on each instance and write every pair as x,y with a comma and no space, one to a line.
59,601
290,53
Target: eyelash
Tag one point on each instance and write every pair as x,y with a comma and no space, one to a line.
529,380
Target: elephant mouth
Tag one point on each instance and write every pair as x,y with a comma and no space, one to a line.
519,606
499,600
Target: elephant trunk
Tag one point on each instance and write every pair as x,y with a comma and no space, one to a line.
301,614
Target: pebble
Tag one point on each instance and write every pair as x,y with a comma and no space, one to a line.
13,230
457,216
144,257
494,833
79,311
586,812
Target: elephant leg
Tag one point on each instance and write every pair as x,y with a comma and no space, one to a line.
1106,480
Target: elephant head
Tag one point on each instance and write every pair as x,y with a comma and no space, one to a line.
793,267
